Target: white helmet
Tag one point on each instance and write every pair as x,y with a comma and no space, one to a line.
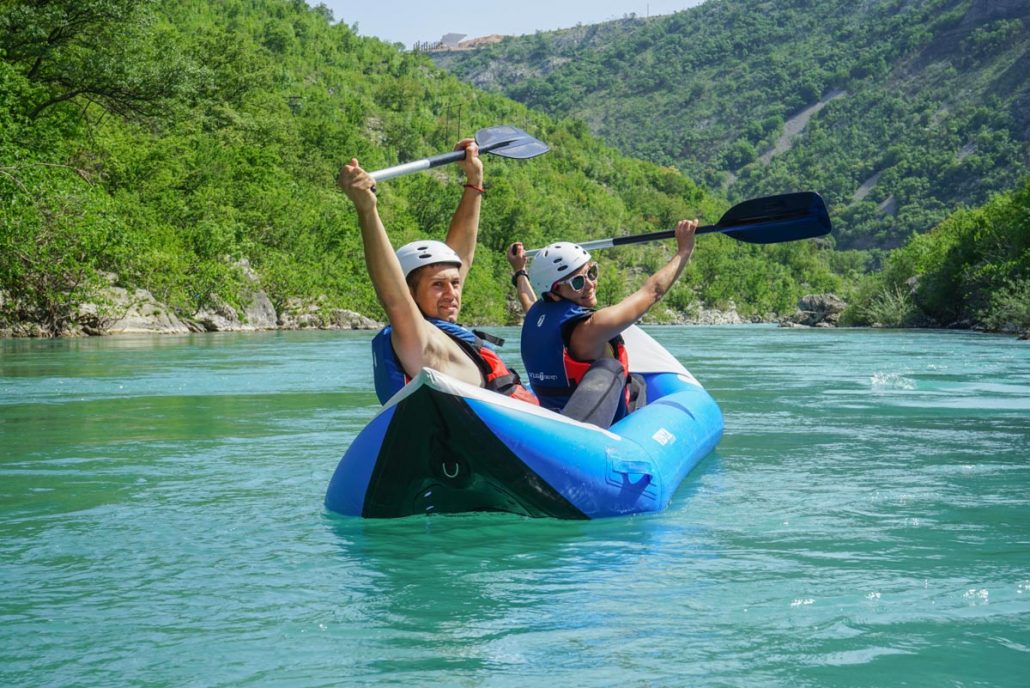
418,254
555,262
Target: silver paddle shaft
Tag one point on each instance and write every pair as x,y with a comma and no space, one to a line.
588,245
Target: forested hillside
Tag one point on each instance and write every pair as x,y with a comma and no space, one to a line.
972,270
897,111
159,144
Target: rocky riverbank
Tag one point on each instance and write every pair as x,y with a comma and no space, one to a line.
815,310
117,311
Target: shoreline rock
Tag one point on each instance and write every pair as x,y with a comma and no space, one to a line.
258,310
258,314
713,316
816,310
141,314
302,315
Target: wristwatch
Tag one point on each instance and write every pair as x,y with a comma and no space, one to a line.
515,277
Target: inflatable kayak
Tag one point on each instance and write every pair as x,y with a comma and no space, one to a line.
442,446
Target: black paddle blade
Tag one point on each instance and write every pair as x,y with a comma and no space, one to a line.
776,219
509,142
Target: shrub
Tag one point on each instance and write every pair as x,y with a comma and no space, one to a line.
891,307
1009,309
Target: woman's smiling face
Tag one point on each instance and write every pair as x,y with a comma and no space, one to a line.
586,280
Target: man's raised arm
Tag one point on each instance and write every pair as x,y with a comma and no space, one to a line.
463,231
409,328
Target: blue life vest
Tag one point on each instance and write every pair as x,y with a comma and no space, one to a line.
553,372
390,377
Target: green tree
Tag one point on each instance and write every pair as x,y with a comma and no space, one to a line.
109,52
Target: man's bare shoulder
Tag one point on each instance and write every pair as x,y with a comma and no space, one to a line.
444,354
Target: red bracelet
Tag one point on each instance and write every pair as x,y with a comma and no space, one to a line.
477,188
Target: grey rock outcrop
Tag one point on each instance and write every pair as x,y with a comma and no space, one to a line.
258,314
258,311
713,316
349,320
816,310
299,314
137,312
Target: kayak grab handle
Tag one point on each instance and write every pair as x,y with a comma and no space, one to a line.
633,468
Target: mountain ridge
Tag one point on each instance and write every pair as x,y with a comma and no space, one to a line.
938,99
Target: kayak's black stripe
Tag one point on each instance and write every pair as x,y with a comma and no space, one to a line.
437,456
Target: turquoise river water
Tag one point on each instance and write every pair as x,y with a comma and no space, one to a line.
864,522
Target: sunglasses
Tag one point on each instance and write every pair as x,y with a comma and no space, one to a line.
577,282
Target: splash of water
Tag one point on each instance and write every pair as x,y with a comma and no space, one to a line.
881,381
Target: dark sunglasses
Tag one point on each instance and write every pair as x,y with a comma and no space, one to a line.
577,282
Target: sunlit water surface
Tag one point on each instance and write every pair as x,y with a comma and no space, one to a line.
864,522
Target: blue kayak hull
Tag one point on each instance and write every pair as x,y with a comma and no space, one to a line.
441,446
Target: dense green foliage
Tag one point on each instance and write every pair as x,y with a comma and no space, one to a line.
917,106
158,144
972,270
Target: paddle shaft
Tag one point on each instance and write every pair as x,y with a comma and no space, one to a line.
670,233
428,163
636,238
770,220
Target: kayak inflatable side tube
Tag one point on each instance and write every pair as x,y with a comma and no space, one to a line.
636,467
346,491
